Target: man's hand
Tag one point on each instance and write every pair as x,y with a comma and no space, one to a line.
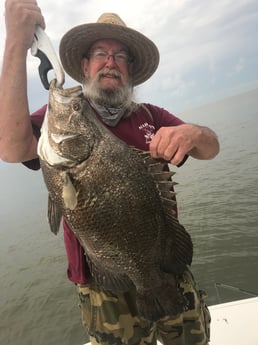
173,143
21,18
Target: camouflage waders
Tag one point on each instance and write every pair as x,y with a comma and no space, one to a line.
111,319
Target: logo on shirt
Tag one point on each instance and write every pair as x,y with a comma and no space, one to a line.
148,131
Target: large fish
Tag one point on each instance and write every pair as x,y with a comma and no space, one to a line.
118,202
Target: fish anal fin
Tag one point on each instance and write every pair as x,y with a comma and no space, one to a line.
116,282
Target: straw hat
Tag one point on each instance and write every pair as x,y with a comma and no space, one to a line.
76,43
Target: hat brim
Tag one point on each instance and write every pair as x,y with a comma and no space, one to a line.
76,43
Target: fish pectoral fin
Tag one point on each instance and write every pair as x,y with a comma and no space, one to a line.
54,215
69,193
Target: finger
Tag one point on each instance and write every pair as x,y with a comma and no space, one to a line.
178,157
153,147
160,144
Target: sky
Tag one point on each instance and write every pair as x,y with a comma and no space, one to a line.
208,48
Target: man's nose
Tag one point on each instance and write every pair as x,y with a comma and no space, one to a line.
110,60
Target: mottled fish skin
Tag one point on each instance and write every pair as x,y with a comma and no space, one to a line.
118,202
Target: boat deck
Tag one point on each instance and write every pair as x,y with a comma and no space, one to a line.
235,323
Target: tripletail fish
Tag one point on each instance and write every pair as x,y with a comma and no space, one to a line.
117,200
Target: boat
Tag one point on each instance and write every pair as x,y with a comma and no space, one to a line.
234,323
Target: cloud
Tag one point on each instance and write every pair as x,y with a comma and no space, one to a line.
240,65
208,48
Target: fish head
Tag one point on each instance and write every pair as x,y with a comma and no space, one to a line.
67,133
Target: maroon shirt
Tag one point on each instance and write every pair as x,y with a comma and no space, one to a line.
136,130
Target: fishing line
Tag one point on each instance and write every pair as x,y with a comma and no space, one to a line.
234,288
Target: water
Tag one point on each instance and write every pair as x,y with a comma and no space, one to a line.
219,200
37,303
218,204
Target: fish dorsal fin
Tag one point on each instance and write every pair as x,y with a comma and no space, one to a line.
163,180
176,260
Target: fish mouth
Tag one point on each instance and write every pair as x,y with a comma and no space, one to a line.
48,149
73,147
59,138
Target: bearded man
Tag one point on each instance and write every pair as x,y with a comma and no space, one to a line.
109,59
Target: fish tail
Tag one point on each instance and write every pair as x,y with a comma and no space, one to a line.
164,300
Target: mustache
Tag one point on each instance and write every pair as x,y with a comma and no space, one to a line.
109,73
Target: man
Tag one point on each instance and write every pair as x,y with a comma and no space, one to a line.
109,59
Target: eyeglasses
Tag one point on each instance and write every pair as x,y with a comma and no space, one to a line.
120,58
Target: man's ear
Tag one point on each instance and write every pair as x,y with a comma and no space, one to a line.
84,65
130,69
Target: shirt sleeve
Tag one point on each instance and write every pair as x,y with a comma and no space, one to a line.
36,121
163,118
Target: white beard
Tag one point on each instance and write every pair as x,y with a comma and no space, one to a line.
121,97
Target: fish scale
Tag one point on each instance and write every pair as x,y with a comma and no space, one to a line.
118,202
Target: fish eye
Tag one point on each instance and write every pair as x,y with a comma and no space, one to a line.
76,106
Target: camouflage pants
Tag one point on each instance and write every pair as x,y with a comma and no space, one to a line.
112,319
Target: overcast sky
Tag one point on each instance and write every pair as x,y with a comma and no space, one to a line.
209,48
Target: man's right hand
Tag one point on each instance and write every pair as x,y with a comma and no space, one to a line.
21,18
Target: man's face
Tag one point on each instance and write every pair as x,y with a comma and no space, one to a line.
108,63
107,72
